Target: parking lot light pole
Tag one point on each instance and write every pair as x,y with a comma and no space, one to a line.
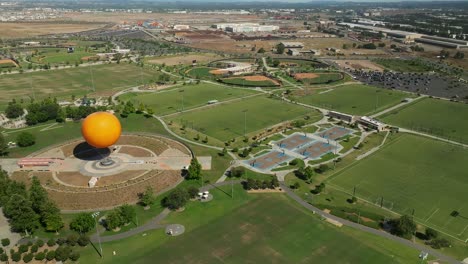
95,216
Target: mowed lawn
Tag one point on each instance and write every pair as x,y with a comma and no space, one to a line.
353,99
72,81
439,117
188,96
262,228
226,121
415,173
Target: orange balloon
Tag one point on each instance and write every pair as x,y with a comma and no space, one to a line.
101,129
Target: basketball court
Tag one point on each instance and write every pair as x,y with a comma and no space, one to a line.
316,150
269,160
294,141
334,133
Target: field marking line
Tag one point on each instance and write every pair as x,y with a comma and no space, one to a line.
27,128
52,126
427,219
463,231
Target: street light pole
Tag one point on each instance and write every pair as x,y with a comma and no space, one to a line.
95,215
245,121
182,91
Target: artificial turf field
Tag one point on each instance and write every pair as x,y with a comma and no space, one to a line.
356,99
439,117
262,228
226,121
414,173
72,81
170,101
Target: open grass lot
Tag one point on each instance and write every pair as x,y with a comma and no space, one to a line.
439,117
244,81
401,65
417,173
170,101
252,229
72,81
183,59
50,55
200,72
226,121
323,78
353,99
28,29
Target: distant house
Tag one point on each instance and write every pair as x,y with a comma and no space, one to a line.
293,45
70,49
294,52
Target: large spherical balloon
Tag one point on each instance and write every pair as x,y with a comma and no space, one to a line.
101,129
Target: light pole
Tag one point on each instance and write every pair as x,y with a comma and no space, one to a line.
245,121
95,216
182,92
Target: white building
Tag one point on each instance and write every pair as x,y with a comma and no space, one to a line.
246,27
371,123
181,27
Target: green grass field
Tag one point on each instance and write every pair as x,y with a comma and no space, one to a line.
226,121
200,72
354,99
242,82
170,101
414,173
252,229
401,65
72,81
439,117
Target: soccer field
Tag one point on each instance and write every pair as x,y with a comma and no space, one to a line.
414,173
439,117
353,99
226,121
188,96
73,81
262,228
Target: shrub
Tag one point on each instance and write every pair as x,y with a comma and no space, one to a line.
61,241
2,251
5,242
50,255
40,243
28,257
62,253
25,139
34,248
431,233
4,257
23,248
51,242
192,191
74,256
16,256
72,239
83,240
40,256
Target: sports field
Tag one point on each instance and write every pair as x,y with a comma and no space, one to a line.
353,99
439,117
226,121
200,72
74,81
265,228
414,173
260,81
60,56
318,78
186,97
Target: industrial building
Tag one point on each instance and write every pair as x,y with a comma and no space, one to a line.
341,116
246,27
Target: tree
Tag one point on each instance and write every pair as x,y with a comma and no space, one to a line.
3,257
176,199
280,48
114,220
296,185
323,168
28,257
261,50
439,243
37,195
237,172
82,223
14,110
50,217
40,256
83,240
381,45
34,248
22,216
74,256
194,170
3,145
147,198
16,256
5,242
127,212
25,139
50,255
72,239
62,253
404,226
51,242
459,55
369,46
40,243
192,191
431,233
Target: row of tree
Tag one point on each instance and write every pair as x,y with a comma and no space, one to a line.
28,209
250,184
